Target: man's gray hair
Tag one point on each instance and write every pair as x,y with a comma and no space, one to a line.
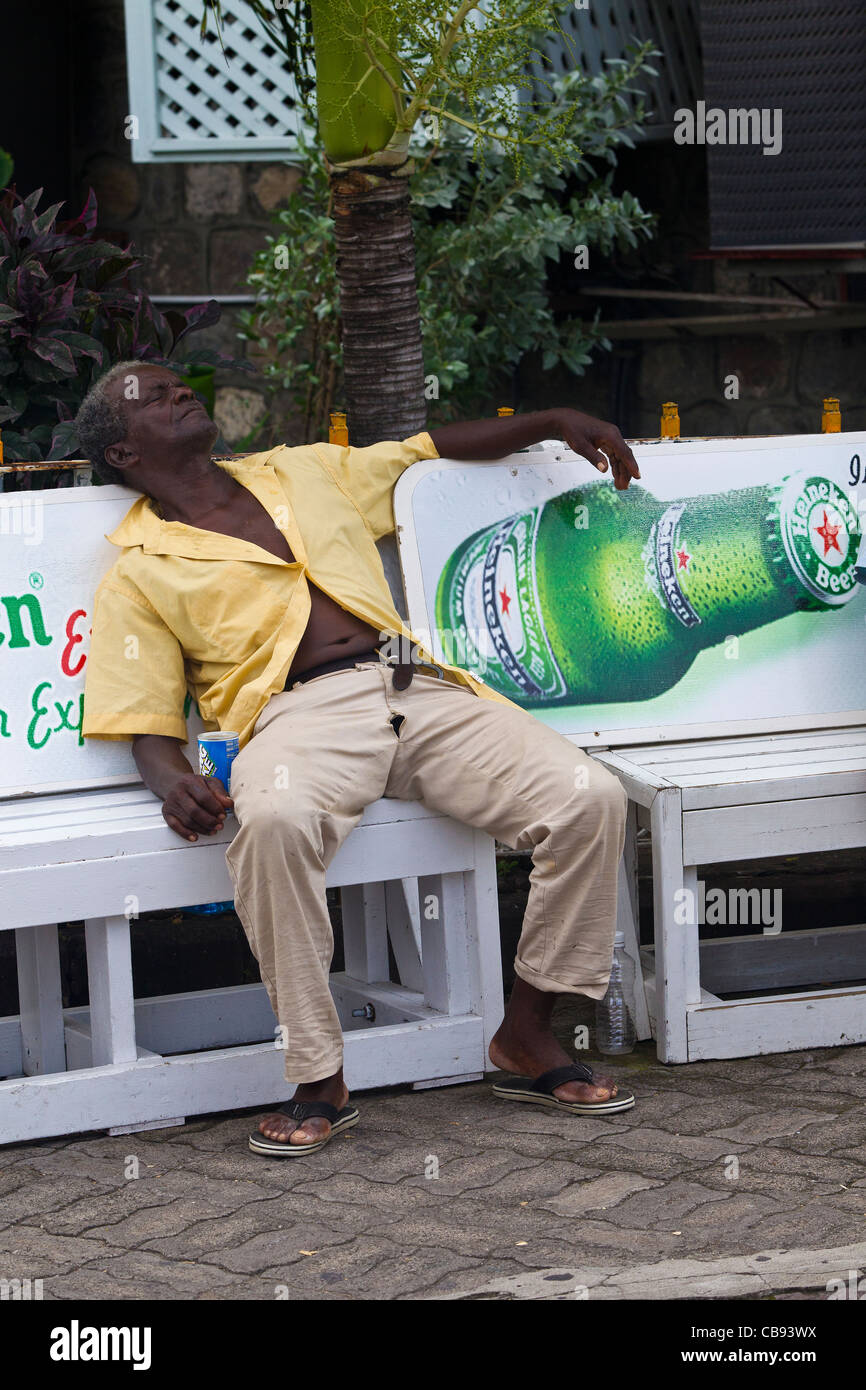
101,420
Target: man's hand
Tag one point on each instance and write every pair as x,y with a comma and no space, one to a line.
496,439
190,803
594,439
196,804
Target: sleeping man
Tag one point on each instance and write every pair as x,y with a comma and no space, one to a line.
255,584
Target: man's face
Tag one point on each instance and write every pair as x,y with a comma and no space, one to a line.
161,413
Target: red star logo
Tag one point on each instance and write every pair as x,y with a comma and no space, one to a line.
828,535
683,557
504,599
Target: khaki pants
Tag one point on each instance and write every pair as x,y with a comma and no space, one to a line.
324,750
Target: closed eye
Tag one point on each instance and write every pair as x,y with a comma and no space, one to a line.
156,392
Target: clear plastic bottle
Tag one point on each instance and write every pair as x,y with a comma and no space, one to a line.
614,1014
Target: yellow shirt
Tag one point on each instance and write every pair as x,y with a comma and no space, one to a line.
184,609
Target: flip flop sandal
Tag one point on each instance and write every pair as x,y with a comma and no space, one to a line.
540,1091
301,1110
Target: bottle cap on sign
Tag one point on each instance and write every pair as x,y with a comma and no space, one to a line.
338,432
831,418
670,421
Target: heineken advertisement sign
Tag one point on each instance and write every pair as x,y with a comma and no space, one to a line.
719,588
53,553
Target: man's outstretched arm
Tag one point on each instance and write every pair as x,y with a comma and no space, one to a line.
494,439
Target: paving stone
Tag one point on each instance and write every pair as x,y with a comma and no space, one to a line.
766,1125
726,1220
370,1268
111,1170
848,1061
14,1176
574,1130
669,1109
852,1200
444,1229
598,1195
253,1288
275,1247
414,1161
826,1135
137,1274
217,1233
398,1198
43,1197
111,1212
662,1141
841,1085
596,1240
664,1205
815,1223
29,1252
486,1172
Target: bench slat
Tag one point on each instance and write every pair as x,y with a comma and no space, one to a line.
657,755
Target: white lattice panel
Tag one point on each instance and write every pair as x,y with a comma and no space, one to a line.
196,98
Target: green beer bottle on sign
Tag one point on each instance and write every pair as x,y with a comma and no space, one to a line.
602,596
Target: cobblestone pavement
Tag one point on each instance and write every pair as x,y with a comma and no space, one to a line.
735,1177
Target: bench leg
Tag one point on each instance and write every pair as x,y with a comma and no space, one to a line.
365,937
109,974
628,920
676,941
461,958
404,930
445,949
112,1004
43,1047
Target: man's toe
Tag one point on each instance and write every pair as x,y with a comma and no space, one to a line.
580,1090
305,1135
274,1127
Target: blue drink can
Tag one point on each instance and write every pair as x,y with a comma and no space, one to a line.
216,753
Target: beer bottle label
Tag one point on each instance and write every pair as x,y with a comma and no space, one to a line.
820,532
660,556
493,592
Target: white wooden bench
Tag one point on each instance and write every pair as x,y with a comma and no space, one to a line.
82,840
729,771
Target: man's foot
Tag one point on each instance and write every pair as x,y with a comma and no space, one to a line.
525,1045
287,1131
532,1059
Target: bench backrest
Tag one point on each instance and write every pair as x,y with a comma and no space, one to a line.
663,613
804,670
53,552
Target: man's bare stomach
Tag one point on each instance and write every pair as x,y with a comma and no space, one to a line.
331,633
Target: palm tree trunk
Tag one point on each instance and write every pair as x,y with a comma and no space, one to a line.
358,110
383,361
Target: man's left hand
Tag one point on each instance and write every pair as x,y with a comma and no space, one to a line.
594,439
